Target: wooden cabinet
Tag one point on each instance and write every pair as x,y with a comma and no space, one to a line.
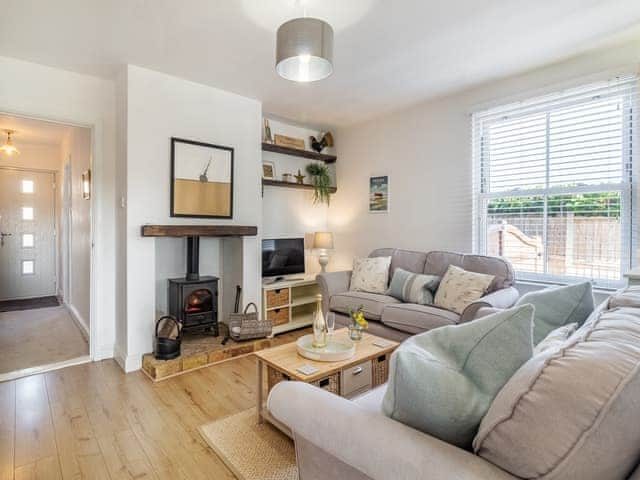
289,304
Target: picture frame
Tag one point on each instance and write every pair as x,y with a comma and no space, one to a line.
268,170
379,194
201,179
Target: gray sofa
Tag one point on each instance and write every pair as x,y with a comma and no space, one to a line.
592,432
395,320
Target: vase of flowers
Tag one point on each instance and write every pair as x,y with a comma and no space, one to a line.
358,324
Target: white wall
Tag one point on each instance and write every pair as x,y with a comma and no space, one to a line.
426,151
76,150
34,90
35,156
289,212
160,106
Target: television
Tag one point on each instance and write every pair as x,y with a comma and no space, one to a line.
282,256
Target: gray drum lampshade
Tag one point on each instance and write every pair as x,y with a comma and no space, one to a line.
304,50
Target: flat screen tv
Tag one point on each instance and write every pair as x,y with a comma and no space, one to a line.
282,256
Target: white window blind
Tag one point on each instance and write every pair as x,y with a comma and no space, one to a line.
554,183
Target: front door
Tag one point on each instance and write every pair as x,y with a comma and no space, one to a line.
27,234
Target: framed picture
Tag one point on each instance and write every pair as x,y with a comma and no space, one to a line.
269,170
201,179
379,194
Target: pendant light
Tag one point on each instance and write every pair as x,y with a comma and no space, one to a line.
304,50
8,147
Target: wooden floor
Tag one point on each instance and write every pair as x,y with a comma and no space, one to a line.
31,338
92,421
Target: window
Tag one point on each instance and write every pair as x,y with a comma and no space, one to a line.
28,267
27,213
27,186
554,183
28,240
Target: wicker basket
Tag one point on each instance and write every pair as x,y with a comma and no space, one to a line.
330,384
247,326
277,298
380,369
274,377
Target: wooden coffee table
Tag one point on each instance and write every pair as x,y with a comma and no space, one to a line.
368,368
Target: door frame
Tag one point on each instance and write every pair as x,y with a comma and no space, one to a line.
95,161
56,227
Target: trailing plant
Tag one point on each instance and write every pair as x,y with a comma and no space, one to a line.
321,181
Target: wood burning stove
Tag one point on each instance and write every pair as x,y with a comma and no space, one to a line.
193,300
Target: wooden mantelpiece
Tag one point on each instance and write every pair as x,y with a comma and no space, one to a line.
199,231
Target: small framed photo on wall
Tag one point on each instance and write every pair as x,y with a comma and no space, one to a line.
379,194
201,179
268,170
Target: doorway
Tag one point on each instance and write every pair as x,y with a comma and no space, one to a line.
45,246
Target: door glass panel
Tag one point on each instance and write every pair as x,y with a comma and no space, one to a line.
27,186
28,267
27,213
28,240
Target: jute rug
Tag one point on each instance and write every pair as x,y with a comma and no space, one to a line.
252,451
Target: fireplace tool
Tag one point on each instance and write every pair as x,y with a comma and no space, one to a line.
236,309
168,338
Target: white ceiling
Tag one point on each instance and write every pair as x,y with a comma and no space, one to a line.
388,53
33,132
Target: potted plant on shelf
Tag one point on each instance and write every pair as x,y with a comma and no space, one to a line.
358,324
321,181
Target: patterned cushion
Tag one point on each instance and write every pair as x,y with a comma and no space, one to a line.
413,287
370,274
459,288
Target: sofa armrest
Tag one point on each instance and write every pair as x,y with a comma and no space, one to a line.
500,299
373,444
332,283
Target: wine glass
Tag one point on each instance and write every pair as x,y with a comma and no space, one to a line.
331,323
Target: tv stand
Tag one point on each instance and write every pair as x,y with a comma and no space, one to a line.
289,303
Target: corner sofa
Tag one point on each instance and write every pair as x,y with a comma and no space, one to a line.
577,420
390,318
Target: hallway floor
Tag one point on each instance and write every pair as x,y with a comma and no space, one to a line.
32,338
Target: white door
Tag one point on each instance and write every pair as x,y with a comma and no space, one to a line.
27,234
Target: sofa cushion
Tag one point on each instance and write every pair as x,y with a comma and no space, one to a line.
558,306
372,400
437,263
556,337
405,259
459,288
443,381
414,318
413,287
372,303
572,412
370,274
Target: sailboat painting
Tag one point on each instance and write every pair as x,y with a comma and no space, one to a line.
201,179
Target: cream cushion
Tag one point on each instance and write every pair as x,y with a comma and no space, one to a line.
370,274
572,412
459,288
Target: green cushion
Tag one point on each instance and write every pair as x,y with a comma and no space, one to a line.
558,306
413,287
442,382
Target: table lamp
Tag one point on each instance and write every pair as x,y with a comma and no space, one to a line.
323,242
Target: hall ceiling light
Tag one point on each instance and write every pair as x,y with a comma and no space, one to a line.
304,50
8,147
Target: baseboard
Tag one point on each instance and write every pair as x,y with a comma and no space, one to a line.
128,363
103,352
80,322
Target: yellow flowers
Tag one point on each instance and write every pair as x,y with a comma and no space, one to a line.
357,317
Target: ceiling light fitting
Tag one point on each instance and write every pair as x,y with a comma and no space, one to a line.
8,147
304,50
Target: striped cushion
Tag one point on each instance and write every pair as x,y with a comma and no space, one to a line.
413,287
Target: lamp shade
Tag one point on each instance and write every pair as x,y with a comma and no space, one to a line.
304,50
323,240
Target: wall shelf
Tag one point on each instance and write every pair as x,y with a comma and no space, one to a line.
198,231
278,183
296,152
